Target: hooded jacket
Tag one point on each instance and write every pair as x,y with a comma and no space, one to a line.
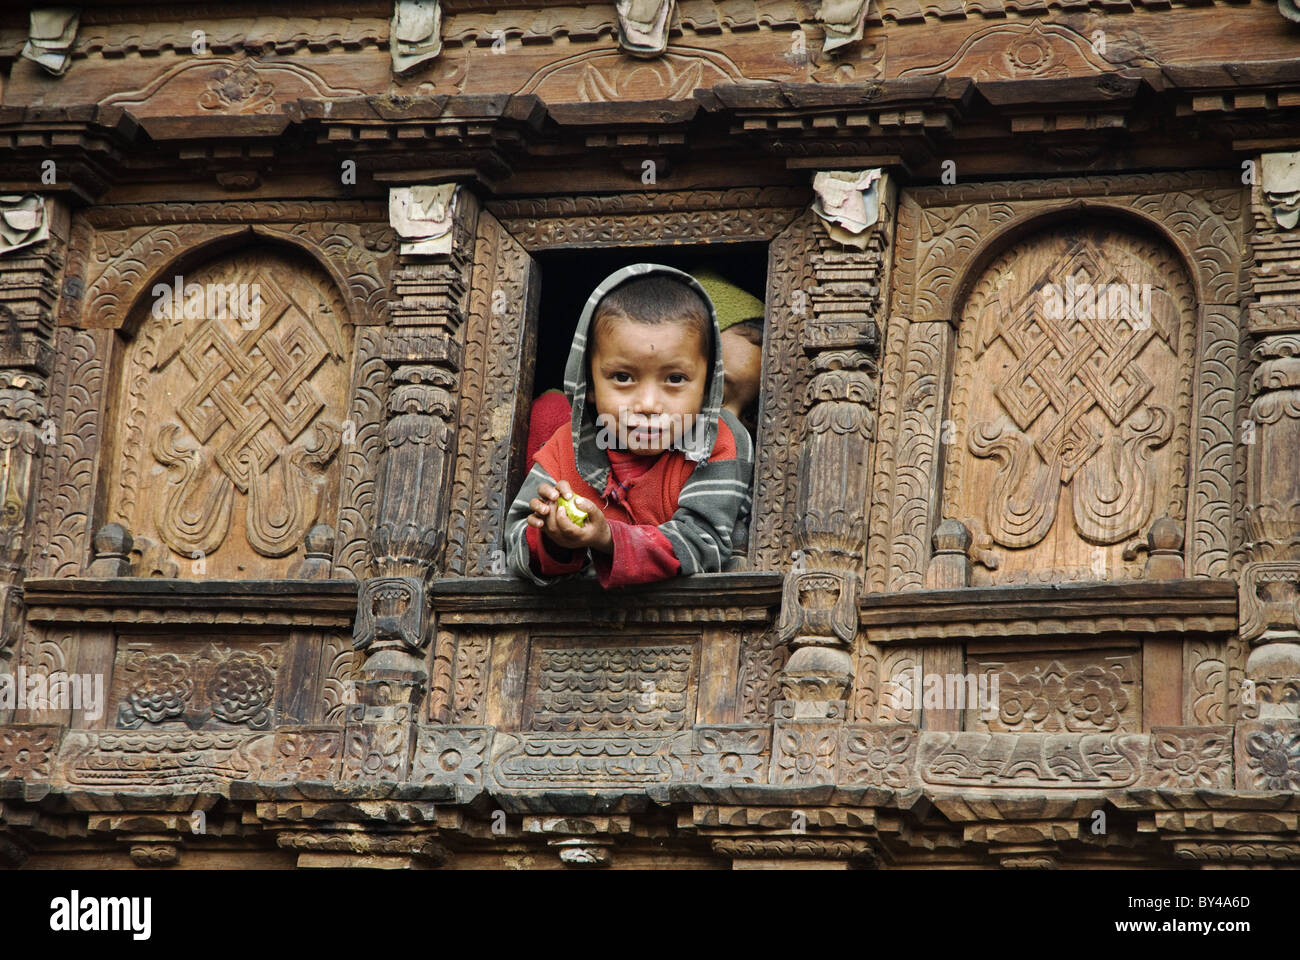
679,516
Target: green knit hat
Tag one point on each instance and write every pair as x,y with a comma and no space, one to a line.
730,302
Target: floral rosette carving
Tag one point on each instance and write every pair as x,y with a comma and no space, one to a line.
1096,697
242,687
1025,699
25,755
1274,759
1189,761
161,689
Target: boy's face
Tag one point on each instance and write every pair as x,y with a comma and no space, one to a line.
743,362
650,377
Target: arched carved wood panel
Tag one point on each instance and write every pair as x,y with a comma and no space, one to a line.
945,239
1071,403
230,422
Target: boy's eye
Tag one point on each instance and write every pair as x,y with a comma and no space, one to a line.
676,378
622,377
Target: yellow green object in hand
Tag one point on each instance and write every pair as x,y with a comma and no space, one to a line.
571,508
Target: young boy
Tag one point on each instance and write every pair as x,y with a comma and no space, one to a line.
662,472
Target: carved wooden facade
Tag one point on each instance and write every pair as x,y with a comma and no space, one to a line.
1026,512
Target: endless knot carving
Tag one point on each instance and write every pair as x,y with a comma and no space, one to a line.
1086,358
1072,371
250,382
235,384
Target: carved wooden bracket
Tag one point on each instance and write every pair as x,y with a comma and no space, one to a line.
50,38
415,34
422,217
844,20
22,221
643,26
848,201
1280,180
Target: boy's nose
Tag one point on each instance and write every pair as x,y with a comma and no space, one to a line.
647,400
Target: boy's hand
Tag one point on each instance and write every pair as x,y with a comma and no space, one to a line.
554,522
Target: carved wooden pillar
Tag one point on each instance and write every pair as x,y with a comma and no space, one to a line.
1270,582
819,609
33,244
422,350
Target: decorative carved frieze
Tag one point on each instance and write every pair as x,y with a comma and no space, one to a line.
805,752
799,848
307,753
27,751
377,742
578,687
541,761
161,685
1077,693
1062,761
636,219
184,760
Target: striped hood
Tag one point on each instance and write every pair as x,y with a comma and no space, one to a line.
697,443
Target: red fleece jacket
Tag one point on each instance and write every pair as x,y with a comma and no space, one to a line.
641,494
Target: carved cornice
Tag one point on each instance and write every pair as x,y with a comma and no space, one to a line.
717,597
751,213
1178,606
338,26
145,600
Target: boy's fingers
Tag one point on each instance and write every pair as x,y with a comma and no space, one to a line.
538,507
566,491
548,491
